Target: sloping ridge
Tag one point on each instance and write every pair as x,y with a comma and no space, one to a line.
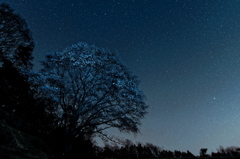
15,144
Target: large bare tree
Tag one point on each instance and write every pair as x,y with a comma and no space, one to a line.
93,91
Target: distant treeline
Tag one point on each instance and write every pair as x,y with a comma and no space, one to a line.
150,151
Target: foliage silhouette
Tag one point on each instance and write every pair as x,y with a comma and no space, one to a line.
17,102
92,90
16,42
203,152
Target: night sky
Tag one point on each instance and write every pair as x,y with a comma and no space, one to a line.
186,54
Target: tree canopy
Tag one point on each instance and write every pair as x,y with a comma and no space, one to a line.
93,90
16,42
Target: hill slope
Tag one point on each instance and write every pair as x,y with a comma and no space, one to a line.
15,144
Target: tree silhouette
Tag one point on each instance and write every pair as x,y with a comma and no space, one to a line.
177,153
189,154
13,92
17,98
203,152
16,43
92,90
228,152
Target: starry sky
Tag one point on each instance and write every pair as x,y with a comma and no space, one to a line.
186,54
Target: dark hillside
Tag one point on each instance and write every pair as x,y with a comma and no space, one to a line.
15,144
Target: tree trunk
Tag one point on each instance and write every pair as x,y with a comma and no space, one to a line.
68,147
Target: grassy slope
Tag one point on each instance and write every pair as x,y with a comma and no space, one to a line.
15,144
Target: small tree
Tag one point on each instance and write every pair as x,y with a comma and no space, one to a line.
93,91
203,152
16,42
